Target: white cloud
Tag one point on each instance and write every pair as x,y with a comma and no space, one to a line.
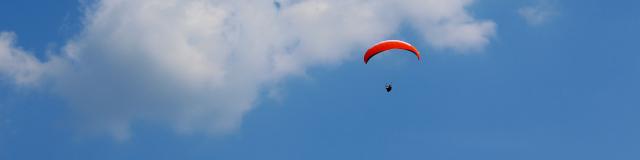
539,13
200,65
16,63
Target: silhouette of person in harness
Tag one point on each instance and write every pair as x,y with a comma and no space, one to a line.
388,87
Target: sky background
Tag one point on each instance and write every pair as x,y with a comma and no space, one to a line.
558,80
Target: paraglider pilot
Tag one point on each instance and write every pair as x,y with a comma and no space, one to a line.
388,87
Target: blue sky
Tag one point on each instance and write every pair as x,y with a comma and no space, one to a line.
563,89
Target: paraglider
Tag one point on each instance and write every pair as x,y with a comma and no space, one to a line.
389,45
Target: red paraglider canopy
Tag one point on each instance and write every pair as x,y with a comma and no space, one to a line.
389,45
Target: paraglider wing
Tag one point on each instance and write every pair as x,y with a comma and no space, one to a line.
389,45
